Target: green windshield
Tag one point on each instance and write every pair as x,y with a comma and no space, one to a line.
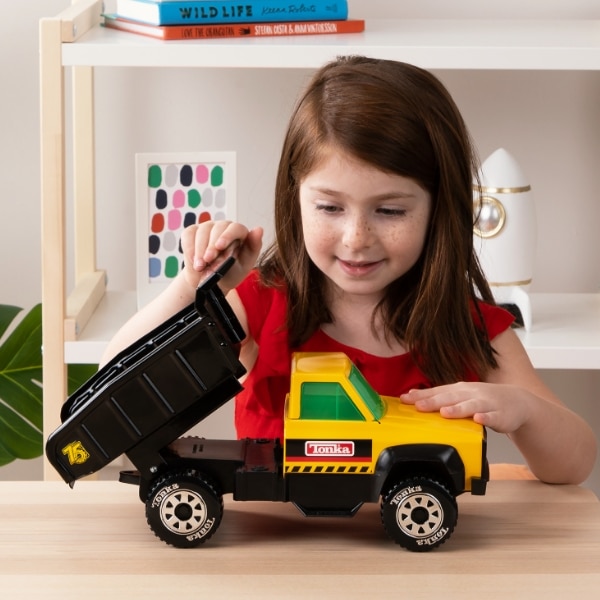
367,393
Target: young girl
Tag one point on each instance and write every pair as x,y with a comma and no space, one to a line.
374,257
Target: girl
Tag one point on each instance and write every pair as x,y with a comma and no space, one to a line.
374,257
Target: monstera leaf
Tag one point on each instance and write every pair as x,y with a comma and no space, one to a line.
21,383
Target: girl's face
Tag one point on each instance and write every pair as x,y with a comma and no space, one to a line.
363,228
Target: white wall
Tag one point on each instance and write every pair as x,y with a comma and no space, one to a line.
549,120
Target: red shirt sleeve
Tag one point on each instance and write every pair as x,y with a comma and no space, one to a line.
495,318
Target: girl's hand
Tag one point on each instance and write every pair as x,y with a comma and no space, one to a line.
503,408
207,245
557,444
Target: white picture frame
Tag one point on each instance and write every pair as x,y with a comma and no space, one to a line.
174,190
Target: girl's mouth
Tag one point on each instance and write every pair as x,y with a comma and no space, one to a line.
358,268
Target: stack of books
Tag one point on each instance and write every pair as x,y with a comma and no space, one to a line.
208,19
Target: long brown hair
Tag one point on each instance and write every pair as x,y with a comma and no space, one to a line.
402,120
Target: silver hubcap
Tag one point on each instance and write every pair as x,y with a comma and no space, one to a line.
183,511
419,515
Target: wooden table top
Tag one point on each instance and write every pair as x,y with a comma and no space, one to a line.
523,539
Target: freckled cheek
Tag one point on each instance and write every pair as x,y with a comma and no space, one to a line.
404,240
394,236
318,237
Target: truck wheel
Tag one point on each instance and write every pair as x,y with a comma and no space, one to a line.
419,514
183,509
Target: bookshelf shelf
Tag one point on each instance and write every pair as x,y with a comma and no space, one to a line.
566,328
565,332
432,44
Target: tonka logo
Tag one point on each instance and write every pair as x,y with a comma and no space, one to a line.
76,453
322,448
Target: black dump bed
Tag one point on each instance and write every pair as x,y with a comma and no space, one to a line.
153,391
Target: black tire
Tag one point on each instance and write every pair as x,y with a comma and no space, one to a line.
419,514
184,509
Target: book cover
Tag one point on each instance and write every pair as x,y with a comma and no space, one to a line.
206,12
199,32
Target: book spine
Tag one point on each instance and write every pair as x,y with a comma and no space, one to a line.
203,12
240,30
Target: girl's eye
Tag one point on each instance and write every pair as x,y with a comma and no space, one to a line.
327,208
391,212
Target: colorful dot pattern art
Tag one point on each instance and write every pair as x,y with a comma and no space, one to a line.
180,194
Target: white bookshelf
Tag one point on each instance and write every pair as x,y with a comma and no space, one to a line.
566,327
565,333
432,44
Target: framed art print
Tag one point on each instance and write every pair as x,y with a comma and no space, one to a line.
173,191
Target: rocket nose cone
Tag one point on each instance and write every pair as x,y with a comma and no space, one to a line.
501,170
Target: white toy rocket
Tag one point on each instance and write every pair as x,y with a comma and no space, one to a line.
505,232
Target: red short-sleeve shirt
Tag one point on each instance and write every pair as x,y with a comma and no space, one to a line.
259,407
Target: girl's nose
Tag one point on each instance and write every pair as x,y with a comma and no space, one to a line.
357,233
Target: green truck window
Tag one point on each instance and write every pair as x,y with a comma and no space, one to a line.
327,401
367,393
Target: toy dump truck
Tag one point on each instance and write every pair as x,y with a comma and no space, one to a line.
343,443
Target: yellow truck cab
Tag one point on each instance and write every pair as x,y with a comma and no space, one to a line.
335,422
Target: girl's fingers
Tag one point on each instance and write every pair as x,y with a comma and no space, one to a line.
207,245
211,239
202,244
247,253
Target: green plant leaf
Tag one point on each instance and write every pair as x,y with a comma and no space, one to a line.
79,374
21,429
20,385
5,456
7,314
